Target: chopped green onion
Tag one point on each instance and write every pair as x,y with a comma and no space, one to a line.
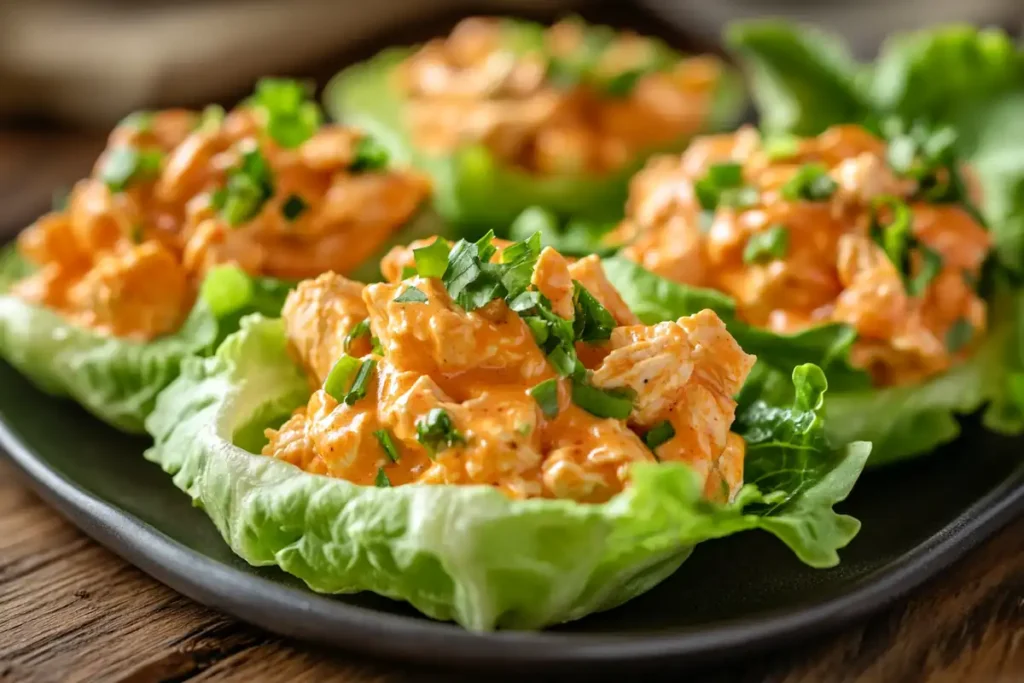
959,335
436,430
411,295
811,183
293,207
659,434
563,359
408,272
125,164
895,237
615,404
387,443
622,84
546,396
340,376
725,175
370,156
361,329
432,260
289,114
382,481
768,245
249,185
376,347
361,383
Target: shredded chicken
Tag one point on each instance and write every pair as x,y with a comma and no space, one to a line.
125,257
481,85
829,266
478,368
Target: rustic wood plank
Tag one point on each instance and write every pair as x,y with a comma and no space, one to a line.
74,612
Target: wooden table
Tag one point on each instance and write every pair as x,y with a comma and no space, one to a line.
72,611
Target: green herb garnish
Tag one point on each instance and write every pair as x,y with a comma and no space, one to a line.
435,431
659,434
386,442
546,396
249,185
290,115
768,245
126,164
411,295
139,121
592,321
810,183
361,383
370,156
360,330
293,207
431,260
615,403
381,481
340,377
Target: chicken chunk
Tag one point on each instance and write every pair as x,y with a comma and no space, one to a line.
318,315
552,279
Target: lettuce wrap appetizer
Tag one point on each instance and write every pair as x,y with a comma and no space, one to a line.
492,436
106,294
506,114
860,254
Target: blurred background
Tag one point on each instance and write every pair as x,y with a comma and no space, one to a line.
70,69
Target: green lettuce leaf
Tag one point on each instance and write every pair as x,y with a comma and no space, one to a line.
472,190
803,81
115,379
900,422
470,554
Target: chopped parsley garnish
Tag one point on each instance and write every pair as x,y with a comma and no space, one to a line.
408,272
928,156
381,481
722,186
293,207
659,434
592,322
411,295
360,330
431,260
768,245
546,396
386,442
810,183
370,156
139,121
622,84
249,185
959,335
126,164
603,403
436,431
289,114
340,377
361,383
898,242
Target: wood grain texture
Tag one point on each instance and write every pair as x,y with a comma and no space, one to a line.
72,611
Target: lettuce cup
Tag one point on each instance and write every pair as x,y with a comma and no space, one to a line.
506,114
188,221
492,436
859,253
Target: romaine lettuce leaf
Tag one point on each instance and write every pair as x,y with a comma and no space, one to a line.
900,422
115,379
468,553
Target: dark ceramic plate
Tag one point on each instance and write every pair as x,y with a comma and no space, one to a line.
733,596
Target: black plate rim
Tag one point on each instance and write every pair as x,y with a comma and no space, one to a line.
293,612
